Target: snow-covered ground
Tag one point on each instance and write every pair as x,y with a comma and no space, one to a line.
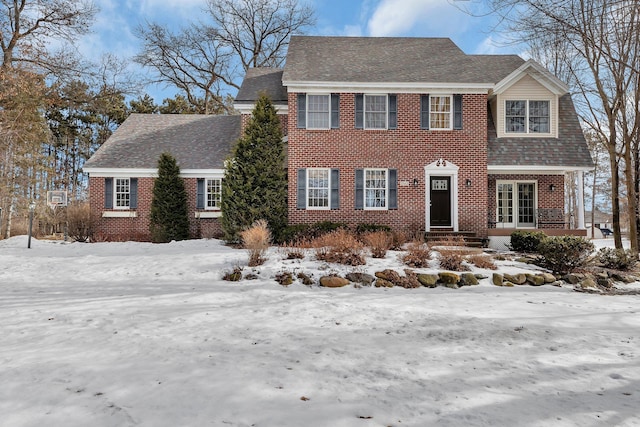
128,334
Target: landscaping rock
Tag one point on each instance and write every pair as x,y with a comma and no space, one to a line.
588,283
571,278
428,280
535,279
518,279
364,278
468,279
508,284
451,285
497,279
558,283
548,277
383,283
448,278
333,282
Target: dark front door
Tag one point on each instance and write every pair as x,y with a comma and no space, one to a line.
440,195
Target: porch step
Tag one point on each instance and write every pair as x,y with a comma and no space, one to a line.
470,238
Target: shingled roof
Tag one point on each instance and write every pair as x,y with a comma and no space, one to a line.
196,141
262,80
391,59
568,150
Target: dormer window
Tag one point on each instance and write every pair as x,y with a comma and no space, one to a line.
522,116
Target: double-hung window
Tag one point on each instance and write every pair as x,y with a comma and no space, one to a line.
318,187
375,111
375,189
318,112
214,193
523,116
122,193
440,112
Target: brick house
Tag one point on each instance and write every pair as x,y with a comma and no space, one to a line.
419,136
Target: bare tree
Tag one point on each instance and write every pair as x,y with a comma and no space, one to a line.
205,61
28,26
600,50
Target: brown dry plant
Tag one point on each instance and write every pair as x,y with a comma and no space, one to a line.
379,243
255,240
339,246
482,261
418,255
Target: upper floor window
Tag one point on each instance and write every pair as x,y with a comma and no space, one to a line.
440,112
375,111
318,111
527,116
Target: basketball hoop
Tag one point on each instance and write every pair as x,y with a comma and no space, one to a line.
56,198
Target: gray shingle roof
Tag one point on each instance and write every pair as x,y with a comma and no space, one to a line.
262,80
390,59
196,141
569,149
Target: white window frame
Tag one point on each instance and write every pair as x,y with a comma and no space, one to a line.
431,105
328,112
116,193
365,112
527,117
309,188
514,188
207,193
365,189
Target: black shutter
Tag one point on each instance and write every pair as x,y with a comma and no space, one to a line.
424,111
335,189
393,112
335,111
359,111
393,189
302,110
108,193
200,194
457,112
359,189
302,188
133,193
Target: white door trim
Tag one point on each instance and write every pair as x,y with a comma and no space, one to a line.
441,167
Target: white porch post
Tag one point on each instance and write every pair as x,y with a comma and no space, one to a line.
580,200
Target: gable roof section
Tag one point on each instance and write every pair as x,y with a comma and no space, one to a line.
569,150
196,141
539,73
262,80
409,60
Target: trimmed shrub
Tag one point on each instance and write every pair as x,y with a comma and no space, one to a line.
370,228
168,219
526,241
255,240
300,232
564,254
617,259
379,243
417,256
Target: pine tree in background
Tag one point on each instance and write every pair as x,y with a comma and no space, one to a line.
169,218
255,182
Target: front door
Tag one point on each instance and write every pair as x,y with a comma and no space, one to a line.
440,197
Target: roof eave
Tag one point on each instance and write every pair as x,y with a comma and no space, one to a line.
404,87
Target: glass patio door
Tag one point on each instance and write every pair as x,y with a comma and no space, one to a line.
516,204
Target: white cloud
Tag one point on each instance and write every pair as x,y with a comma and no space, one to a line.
424,17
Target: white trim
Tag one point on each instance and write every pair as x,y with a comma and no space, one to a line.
208,214
533,169
441,167
390,87
245,108
318,208
537,72
206,193
386,190
120,214
149,173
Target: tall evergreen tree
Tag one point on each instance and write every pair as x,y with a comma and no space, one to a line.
255,182
169,218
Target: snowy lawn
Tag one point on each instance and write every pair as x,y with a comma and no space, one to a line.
135,334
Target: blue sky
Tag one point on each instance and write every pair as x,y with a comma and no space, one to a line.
113,30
